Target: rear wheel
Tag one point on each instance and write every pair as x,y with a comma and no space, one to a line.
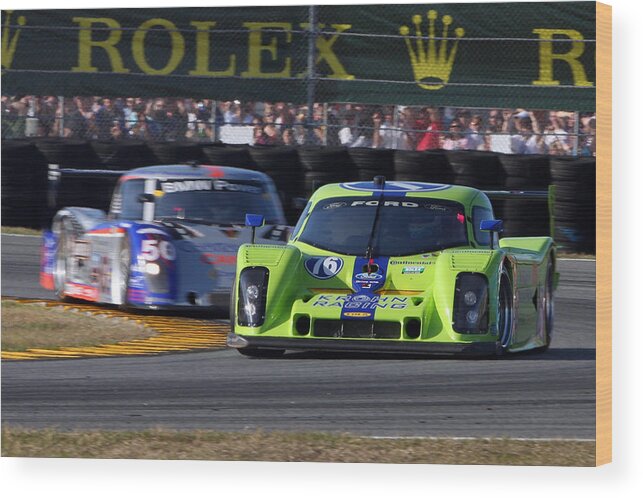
261,353
548,305
505,317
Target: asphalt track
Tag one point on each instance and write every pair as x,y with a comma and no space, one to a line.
549,395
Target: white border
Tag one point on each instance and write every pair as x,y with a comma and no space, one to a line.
623,478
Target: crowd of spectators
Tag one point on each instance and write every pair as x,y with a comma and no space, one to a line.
516,131
263,123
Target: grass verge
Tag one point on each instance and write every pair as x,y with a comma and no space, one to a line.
160,444
26,326
20,231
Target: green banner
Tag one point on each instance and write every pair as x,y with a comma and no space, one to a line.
536,55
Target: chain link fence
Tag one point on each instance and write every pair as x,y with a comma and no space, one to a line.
516,131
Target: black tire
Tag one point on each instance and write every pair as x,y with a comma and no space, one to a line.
478,169
61,262
422,166
238,157
261,353
24,184
549,305
232,314
505,315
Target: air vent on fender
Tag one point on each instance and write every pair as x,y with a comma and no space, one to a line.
264,255
470,260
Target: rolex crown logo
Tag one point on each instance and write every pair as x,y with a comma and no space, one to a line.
9,39
431,60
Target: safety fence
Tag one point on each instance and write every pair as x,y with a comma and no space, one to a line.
516,131
298,171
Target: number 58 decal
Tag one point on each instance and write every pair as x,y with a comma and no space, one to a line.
152,249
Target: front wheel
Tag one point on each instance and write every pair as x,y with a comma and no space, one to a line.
505,316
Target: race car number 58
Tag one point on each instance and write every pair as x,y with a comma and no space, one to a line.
152,249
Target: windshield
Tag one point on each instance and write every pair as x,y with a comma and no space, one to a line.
407,225
205,200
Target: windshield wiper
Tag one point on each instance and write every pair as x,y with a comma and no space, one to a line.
380,182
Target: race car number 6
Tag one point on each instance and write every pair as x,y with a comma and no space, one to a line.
331,266
152,249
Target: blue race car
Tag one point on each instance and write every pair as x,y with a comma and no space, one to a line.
170,238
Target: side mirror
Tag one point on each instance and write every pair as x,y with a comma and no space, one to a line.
254,221
491,226
143,198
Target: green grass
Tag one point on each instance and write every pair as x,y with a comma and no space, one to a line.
290,447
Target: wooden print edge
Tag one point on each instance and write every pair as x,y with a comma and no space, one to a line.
603,233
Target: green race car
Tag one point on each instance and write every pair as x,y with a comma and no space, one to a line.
395,267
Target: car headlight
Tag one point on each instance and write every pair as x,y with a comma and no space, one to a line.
251,305
471,304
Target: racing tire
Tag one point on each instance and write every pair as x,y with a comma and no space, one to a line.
506,313
124,263
549,305
232,315
261,353
61,262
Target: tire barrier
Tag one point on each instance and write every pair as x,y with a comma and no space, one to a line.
525,217
529,172
324,165
575,203
298,171
370,163
426,166
128,155
220,155
69,153
477,169
283,166
176,152
23,184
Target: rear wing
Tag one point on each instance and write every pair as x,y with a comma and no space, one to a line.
55,175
